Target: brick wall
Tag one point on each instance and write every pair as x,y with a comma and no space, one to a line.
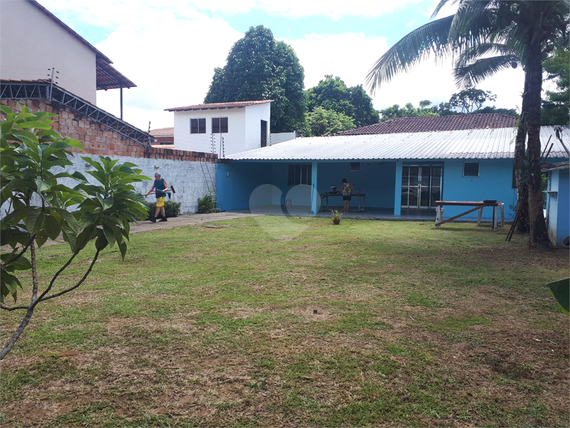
185,170
97,139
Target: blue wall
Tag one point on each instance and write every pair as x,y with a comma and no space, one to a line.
237,181
558,206
376,179
494,182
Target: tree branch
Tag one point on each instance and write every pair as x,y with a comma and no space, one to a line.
30,309
43,299
17,333
32,238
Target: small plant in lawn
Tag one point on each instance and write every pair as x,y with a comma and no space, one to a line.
336,216
30,150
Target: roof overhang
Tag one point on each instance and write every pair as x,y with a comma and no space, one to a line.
109,78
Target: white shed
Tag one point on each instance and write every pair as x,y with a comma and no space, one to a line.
222,128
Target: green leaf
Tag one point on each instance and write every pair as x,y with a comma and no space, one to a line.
70,236
16,263
52,227
88,234
109,235
106,203
123,249
9,285
42,185
561,292
34,220
101,242
34,124
41,238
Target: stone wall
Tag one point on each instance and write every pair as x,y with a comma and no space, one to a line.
186,170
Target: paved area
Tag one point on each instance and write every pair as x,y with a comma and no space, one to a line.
185,220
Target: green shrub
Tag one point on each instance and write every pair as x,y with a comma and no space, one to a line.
172,209
206,205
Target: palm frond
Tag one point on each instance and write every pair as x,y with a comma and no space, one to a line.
440,5
411,49
477,71
487,50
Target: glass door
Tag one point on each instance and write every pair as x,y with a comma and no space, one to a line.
421,185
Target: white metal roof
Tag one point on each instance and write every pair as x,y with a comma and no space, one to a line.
498,143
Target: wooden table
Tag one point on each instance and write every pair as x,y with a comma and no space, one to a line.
361,197
478,205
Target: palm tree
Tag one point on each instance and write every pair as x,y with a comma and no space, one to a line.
517,32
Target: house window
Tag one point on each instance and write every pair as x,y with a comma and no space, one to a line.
355,166
299,174
471,169
197,126
219,125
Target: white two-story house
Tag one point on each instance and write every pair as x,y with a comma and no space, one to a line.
222,128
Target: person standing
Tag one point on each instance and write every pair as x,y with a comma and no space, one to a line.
346,192
160,187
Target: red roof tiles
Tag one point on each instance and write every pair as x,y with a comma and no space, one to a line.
456,122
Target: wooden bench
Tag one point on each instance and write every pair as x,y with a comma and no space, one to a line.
478,205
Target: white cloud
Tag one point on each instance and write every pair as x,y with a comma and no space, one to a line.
347,56
171,62
434,82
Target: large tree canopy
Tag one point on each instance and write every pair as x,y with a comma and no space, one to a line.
333,94
260,68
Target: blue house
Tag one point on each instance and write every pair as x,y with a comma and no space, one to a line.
399,168
558,203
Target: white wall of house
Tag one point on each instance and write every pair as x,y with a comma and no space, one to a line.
244,129
31,43
254,115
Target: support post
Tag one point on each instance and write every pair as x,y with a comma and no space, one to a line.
398,189
314,193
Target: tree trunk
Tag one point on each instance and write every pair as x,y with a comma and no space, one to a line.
519,167
538,233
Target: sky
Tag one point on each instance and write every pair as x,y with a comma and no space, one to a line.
170,48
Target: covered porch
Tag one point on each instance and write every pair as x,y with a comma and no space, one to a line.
299,188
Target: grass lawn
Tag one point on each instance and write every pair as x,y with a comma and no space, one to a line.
274,321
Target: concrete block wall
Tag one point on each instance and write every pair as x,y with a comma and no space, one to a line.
187,177
184,169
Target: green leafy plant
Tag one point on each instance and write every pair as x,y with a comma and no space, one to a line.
206,205
336,216
172,209
561,292
33,158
